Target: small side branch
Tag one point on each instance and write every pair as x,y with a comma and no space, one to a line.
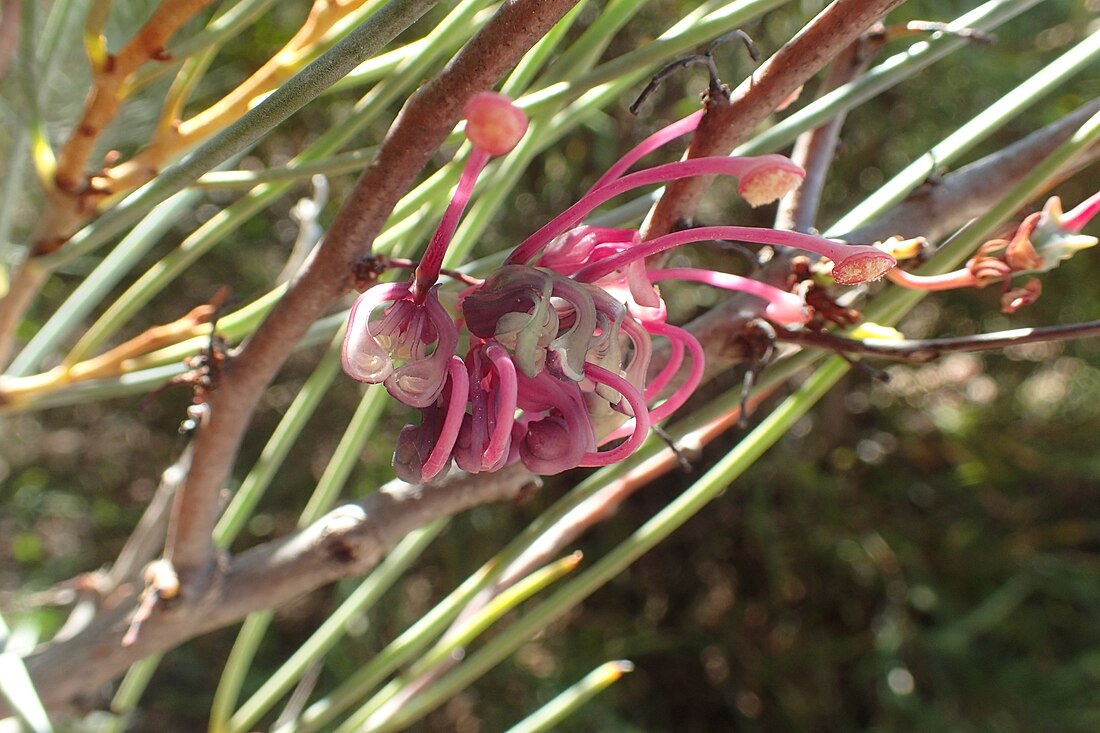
108,80
816,149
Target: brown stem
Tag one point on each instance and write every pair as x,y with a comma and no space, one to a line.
348,541
921,351
26,280
428,117
147,539
726,124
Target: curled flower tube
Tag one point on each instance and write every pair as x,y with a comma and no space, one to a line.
679,339
575,248
783,307
852,263
424,451
513,307
547,320
584,245
554,433
716,165
569,349
638,409
484,441
405,333
604,347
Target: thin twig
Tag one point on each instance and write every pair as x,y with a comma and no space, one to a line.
148,44
175,136
362,43
922,351
147,538
726,124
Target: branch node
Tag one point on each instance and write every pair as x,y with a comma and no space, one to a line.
161,583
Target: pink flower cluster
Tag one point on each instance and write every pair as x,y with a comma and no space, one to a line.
558,340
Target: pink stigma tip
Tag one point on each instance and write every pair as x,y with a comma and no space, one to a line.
862,267
494,123
769,183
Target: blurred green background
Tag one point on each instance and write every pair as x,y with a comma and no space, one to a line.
917,555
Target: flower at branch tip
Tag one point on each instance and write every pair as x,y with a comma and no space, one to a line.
1041,242
556,374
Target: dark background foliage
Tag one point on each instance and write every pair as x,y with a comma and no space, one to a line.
917,555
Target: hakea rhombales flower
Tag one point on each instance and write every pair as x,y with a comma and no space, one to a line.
559,338
1041,242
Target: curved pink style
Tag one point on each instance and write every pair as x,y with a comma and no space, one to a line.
695,375
427,272
853,260
717,165
783,307
647,146
671,367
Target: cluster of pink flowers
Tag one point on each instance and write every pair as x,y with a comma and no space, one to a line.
558,340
